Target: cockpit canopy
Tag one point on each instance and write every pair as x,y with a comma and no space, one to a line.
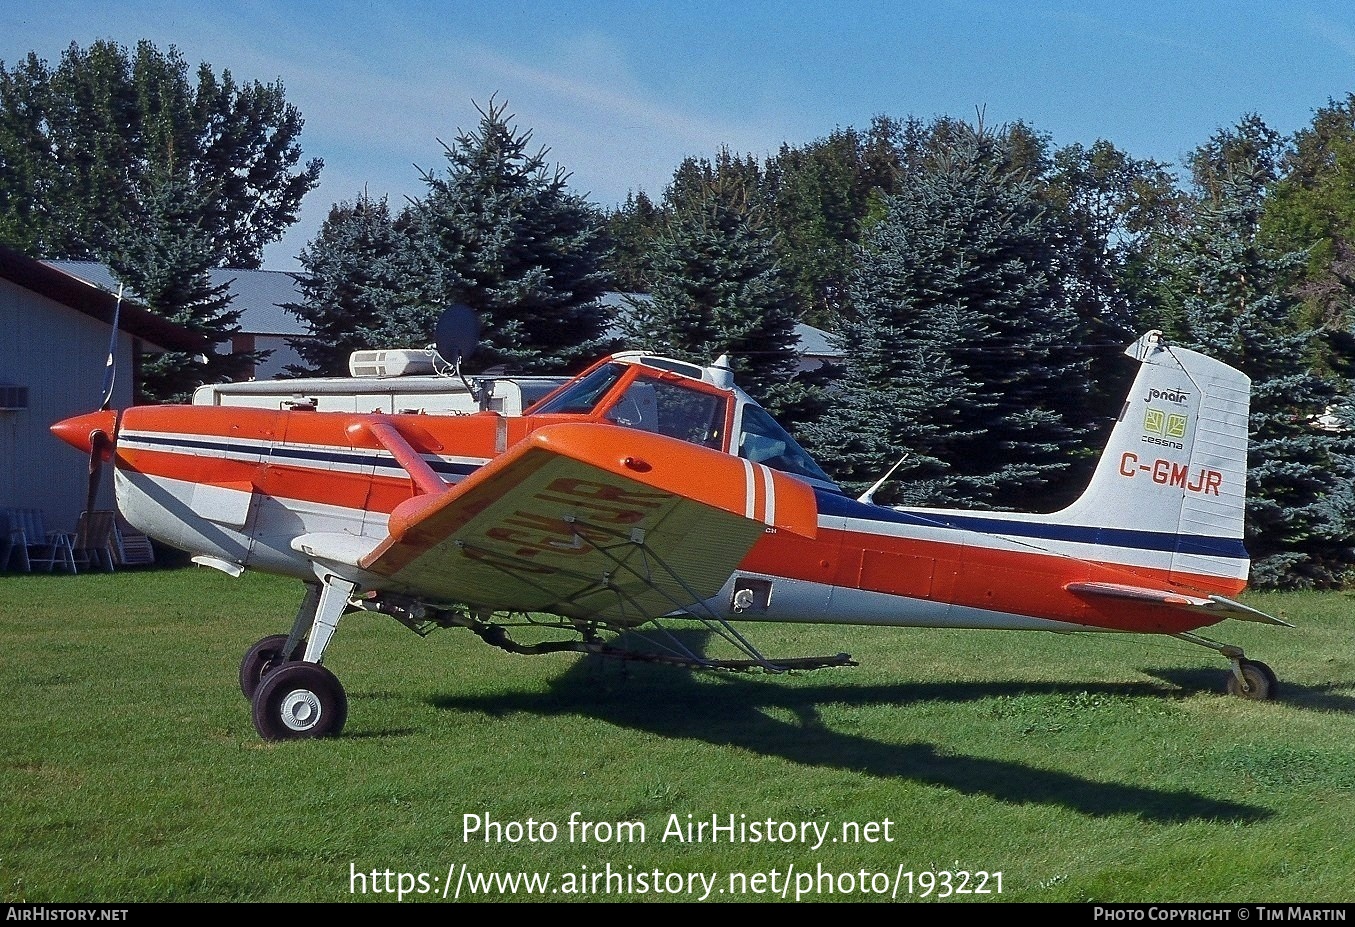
682,401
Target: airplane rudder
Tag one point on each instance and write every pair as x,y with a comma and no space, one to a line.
1176,458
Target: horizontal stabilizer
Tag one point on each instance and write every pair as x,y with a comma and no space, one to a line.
1210,603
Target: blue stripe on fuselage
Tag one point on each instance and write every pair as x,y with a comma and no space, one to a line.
829,503
837,505
280,453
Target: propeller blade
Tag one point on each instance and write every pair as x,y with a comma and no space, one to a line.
110,365
100,451
96,466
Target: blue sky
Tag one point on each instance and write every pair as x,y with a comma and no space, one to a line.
620,92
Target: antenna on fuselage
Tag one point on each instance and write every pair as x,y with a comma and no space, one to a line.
868,497
458,335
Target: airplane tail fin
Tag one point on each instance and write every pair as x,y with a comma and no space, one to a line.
1173,476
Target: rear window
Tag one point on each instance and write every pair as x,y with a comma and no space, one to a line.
763,441
672,409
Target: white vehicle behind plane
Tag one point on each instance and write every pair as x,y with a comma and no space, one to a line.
402,382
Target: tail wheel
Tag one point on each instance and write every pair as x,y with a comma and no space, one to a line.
263,658
299,700
1259,682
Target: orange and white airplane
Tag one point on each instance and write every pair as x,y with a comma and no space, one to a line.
649,489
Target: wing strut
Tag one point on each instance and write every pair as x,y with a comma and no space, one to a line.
384,432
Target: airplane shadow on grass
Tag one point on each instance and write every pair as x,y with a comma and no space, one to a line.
673,703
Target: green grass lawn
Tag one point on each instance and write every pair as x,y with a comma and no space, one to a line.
1082,767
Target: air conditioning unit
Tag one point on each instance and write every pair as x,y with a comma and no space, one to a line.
13,398
395,363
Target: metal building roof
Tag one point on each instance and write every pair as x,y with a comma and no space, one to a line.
258,295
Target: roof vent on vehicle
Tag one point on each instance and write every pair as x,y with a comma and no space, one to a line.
394,363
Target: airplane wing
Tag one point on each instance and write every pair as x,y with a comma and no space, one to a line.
1215,604
590,521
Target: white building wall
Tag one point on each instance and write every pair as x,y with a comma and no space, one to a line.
59,354
276,363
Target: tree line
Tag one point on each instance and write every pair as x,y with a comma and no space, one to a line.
980,280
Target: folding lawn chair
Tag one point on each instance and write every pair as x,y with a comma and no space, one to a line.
94,540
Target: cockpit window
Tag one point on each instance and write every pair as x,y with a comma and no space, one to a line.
763,441
673,409
580,398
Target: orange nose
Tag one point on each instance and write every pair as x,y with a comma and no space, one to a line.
82,431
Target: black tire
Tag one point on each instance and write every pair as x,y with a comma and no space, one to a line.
263,658
1262,683
299,700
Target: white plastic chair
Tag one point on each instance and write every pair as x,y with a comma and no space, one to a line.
46,548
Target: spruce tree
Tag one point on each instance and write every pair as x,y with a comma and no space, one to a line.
716,289
1233,298
502,233
958,345
361,288
164,256
631,231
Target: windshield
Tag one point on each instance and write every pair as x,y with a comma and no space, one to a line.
763,441
580,398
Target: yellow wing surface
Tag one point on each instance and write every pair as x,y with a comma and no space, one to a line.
590,521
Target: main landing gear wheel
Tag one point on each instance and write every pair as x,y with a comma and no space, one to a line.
299,700
1258,681
262,659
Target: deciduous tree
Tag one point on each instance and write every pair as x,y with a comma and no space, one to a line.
123,157
1232,296
85,144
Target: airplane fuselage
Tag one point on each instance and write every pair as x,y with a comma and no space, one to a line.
237,486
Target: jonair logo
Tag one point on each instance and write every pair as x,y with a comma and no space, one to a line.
1169,427
1167,395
